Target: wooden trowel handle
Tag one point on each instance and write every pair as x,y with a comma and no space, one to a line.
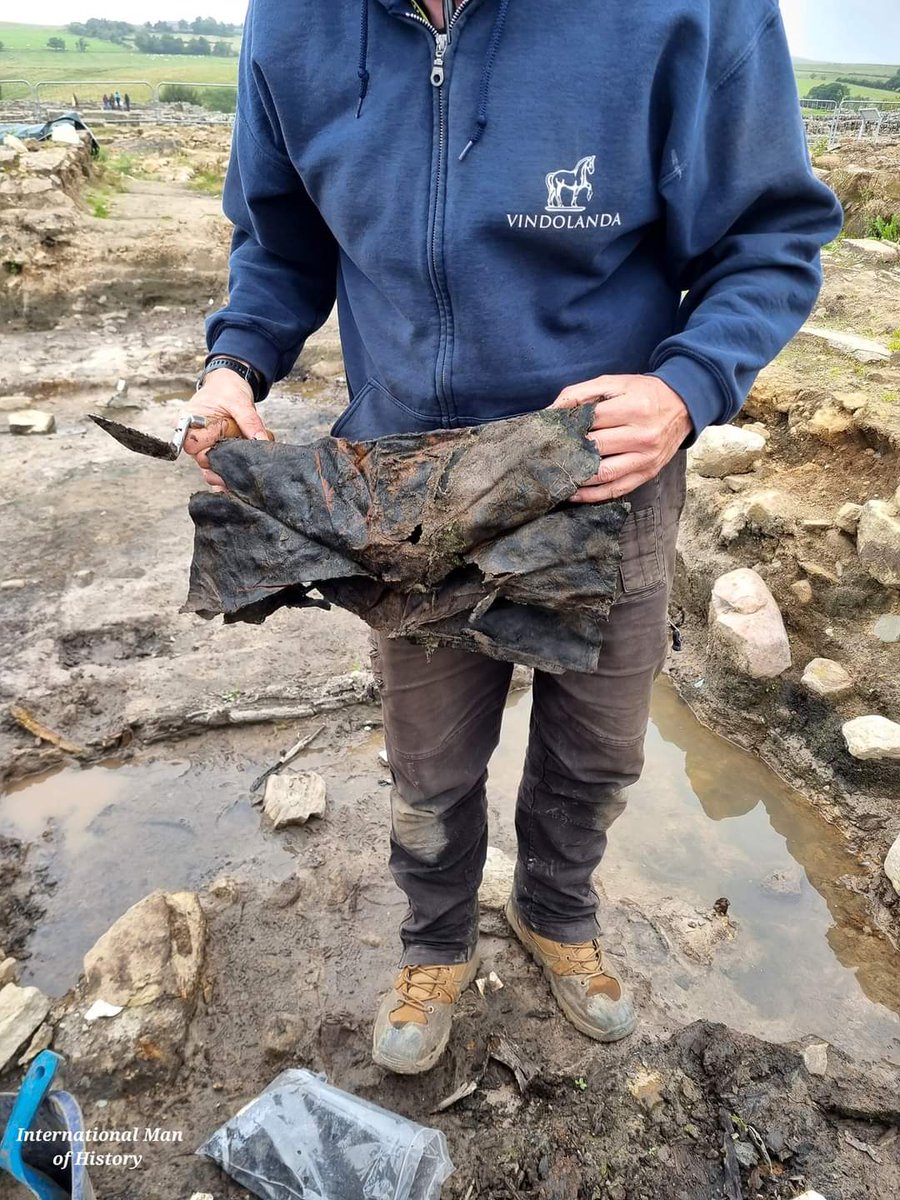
231,429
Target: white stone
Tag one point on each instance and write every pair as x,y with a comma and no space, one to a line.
22,1010
153,952
815,1058
746,627
497,880
722,450
202,1196
768,512
873,248
30,420
878,541
810,1195
13,585
9,969
100,1009
862,349
292,798
825,677
847,518
892,865
872,738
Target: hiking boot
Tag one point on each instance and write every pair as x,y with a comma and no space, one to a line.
413,1023
589,994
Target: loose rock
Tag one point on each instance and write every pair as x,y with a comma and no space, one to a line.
22,1010
873,248
892,865
815,1058
291,799
872,738
30,420
878,541
802,589
9,969
154,951
769,513
725,450
827,678
847,518
746,627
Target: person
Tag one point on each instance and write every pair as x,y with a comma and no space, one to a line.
126,100
614,209
105,102
117,99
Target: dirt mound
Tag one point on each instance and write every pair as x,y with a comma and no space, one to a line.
866,179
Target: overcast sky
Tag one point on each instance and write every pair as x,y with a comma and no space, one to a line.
833,30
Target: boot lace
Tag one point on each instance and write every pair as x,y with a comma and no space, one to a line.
420,987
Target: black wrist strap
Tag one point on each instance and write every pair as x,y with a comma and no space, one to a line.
215,361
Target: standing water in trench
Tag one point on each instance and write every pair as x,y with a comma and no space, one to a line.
706,820
709,820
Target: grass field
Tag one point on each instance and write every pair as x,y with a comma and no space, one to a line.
810,74
25,56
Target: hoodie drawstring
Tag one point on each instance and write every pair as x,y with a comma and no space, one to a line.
486,71
362,71
481,118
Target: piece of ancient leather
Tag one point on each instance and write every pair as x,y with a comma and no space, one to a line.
459,537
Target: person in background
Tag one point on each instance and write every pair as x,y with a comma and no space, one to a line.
514,208
126,100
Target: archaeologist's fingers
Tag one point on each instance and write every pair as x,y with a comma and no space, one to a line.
616,476
216,482
224,394
596,495
600,388
638,425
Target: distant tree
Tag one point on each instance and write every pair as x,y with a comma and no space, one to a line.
82,45
223,50
198,45
55,43
829,91
2,47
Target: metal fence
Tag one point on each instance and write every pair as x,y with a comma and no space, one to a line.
119,102
864,120
178,102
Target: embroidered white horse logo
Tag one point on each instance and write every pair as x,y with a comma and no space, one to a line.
575,185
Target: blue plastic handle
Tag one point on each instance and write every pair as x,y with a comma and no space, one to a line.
29,1099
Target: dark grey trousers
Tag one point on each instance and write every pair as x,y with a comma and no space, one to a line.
442,716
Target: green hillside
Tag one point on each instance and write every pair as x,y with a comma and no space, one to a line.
25,55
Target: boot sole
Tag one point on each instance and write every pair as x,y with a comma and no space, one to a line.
430,1060
616,1034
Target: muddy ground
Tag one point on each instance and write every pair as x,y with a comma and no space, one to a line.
183,714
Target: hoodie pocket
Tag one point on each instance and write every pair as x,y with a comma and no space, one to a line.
374,412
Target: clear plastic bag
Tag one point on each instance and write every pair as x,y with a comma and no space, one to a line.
302,1139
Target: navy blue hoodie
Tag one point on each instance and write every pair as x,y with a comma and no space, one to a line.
560,189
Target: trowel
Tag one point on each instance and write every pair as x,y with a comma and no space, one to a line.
156,447
42,1134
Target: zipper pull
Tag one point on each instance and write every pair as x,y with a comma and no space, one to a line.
437,67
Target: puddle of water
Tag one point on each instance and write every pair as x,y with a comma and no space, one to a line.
115,833
708,820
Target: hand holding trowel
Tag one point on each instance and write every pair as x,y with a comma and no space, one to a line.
195,433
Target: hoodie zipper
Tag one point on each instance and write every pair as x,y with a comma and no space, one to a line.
436,264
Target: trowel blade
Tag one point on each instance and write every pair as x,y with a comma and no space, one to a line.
136,440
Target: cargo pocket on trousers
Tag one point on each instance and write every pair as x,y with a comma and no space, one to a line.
642,568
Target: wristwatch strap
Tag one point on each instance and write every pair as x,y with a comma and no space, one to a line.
234,364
